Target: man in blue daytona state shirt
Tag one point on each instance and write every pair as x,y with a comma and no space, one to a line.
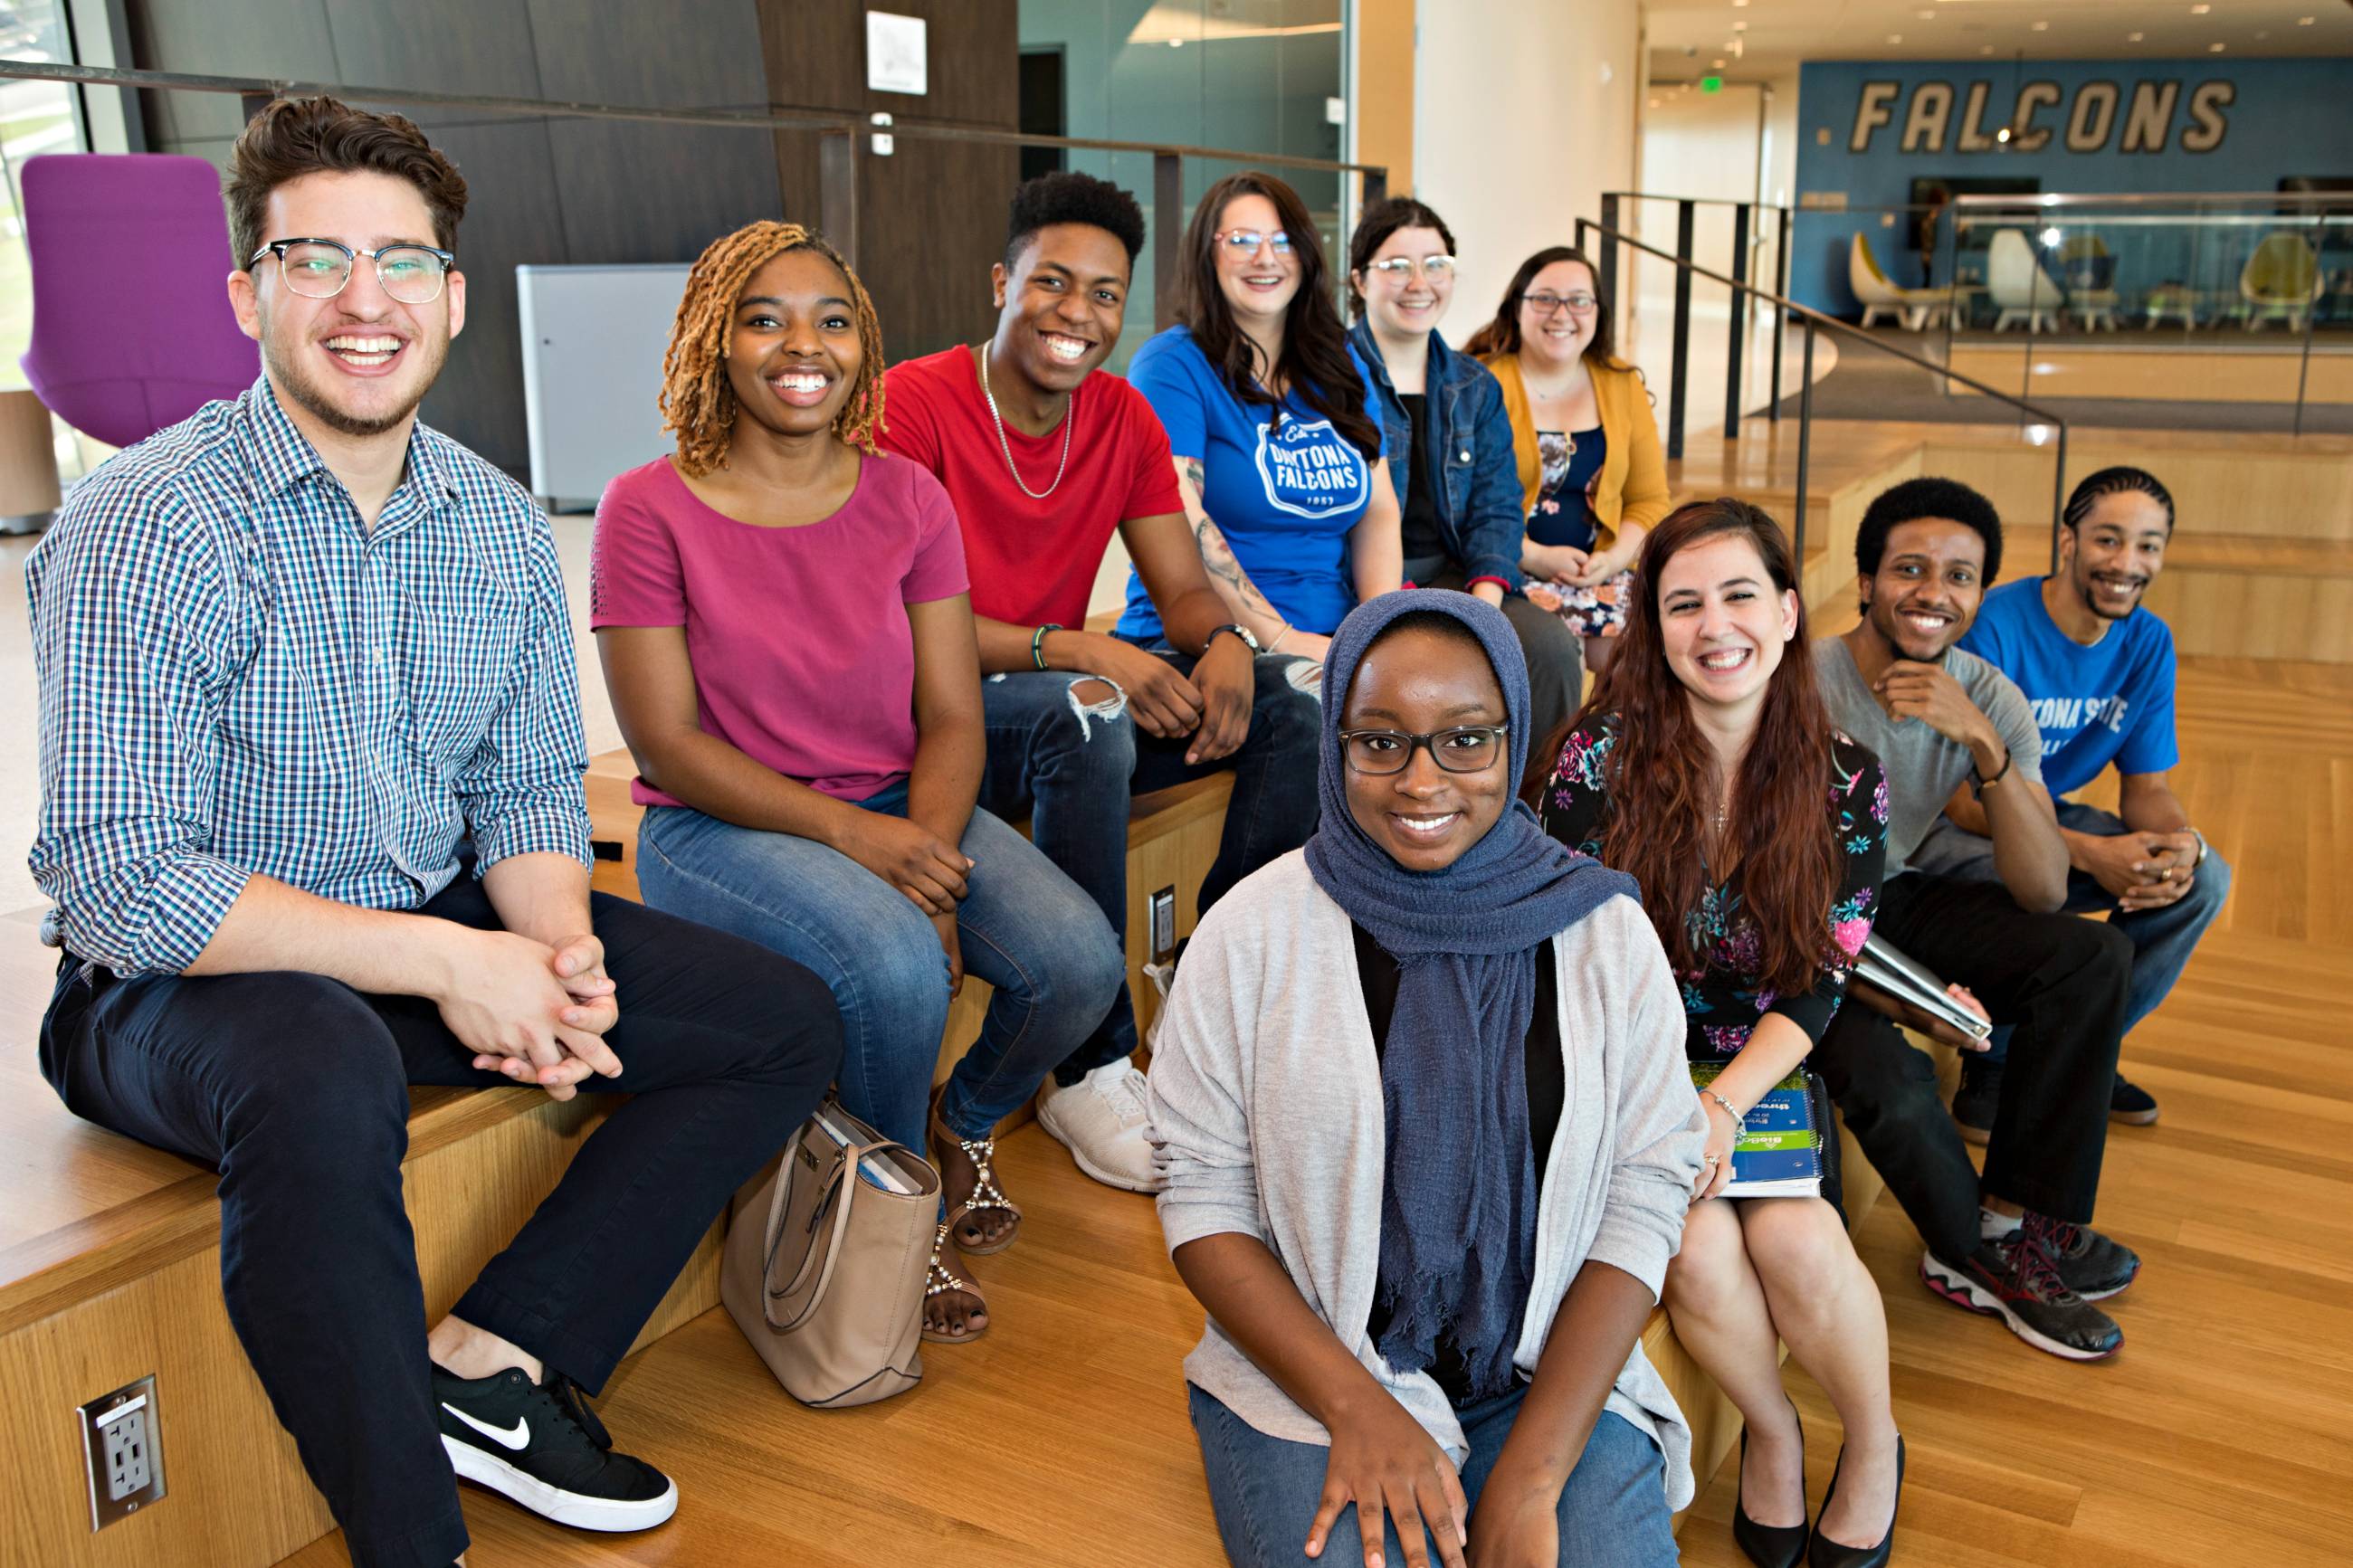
2097,670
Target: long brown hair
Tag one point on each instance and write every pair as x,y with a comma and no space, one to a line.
1502,335
1316,364
1661,772
696,401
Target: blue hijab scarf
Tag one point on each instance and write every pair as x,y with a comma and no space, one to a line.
1458,1193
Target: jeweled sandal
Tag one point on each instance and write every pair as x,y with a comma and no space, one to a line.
938,1282
986,1193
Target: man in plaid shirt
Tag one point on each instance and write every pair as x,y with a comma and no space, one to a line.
294,651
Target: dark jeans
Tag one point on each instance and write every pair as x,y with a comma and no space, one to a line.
294,1087
2163,939
2061,981
1556,658
1072,775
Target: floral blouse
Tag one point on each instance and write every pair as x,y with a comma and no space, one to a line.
1724,1000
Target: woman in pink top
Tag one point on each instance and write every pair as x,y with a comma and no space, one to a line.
782,618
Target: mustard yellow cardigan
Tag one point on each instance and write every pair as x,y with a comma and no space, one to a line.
1632,484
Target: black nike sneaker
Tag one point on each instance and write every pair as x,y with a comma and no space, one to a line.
540,1445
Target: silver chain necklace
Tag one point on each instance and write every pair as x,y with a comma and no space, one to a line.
1069,418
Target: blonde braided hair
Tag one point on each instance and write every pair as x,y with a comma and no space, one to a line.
696,402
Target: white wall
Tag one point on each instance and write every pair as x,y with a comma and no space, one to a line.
1524,114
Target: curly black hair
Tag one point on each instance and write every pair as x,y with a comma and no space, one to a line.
1915,498
1068,196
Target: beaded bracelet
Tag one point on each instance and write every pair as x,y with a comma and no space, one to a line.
1037,642
1738,1119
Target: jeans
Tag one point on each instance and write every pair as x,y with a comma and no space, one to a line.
2061,981
1022,927
1613,1512
1555,655
2162,939
294,1087
1075,776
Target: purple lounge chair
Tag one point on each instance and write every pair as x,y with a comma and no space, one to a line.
132,324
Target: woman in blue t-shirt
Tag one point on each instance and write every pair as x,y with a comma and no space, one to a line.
1268,413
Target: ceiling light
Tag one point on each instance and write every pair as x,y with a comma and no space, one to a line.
1925,16
2134,38
2216,48
1738,4
1740,26
2041,27
2200,10
2002,134
2050,239
2304,21
1987,49
1894,38
1654,103
1717,65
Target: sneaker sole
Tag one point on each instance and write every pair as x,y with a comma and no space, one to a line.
2111,1291
581,1513
2134,1118
1981,1136
1955,1288
1078,1158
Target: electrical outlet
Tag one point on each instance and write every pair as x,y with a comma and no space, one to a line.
1164,923
124,1444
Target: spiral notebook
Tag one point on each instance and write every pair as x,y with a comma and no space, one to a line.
1779,1153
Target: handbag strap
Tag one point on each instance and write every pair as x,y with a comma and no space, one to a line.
844,1184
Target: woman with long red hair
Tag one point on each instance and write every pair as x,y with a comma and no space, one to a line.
1705,766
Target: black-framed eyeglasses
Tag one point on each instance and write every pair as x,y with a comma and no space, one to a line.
1547,302
1465,749
321,269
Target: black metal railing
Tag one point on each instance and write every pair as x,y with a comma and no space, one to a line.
1814,322
841,146
1744,221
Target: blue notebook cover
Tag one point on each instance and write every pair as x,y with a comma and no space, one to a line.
1779,1153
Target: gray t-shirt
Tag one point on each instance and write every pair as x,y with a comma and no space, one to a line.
1923,767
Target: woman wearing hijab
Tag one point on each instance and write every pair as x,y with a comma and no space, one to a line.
1421,1103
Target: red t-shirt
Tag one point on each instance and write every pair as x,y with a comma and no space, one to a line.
1031,561
803,658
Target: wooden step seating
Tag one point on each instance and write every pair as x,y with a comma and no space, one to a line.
109,1252
2262,566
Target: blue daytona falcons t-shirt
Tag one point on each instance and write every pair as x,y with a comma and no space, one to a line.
1284,498
2111,702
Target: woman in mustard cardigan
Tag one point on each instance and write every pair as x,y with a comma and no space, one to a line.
1587,445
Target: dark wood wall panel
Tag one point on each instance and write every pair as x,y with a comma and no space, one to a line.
932,216
541,192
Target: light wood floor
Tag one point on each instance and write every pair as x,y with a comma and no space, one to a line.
2219,1436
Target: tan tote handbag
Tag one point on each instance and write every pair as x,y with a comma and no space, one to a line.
824,1262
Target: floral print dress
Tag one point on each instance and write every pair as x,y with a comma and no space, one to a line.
1724,999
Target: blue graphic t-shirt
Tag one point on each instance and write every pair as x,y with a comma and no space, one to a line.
1284,498
2111,702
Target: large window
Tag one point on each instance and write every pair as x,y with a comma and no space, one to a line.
1260,76
36,117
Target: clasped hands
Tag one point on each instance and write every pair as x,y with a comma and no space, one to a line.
2141,870
534,1013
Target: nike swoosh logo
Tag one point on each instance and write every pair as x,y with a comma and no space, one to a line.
517,1436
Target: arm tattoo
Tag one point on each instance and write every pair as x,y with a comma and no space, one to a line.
1217,555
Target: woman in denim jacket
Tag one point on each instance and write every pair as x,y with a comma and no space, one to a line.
1449,440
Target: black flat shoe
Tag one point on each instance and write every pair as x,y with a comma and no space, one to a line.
1827,1554
1767,1546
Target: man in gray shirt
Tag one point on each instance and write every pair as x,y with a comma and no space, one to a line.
2018,1243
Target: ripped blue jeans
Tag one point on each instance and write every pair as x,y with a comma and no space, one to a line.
1073,765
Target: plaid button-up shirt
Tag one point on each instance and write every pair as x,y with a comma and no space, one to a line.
238,676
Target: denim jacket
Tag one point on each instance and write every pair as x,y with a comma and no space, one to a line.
1468,434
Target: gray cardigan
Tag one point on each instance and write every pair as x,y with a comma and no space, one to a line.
1267,1121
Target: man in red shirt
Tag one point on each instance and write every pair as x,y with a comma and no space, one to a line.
1045,457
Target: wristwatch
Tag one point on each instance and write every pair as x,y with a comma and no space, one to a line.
1238,630
2201,847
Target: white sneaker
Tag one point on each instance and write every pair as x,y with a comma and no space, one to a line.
1100,1120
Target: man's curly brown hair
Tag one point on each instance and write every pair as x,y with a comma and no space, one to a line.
297,136
696,402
